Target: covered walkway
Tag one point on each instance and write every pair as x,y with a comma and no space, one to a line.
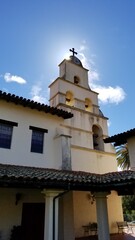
52,183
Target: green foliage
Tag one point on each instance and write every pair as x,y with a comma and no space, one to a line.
129,217
128,203
123,157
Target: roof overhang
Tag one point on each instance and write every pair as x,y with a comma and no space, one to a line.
30,177
120,138
34,105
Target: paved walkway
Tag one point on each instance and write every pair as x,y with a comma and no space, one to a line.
123,237
120,236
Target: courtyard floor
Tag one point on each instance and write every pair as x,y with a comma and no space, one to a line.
121,236
126,235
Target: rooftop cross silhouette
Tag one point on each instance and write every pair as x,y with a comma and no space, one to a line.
73,51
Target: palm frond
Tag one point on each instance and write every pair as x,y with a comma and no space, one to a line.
122,155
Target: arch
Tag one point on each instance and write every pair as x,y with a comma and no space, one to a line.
98,143
76,79
69,98
88,105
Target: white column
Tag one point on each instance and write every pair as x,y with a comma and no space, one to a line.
56,218
49,215
102,215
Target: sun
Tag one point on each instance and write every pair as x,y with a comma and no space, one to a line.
66,55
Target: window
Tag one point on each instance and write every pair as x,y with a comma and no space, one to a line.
76,80
37,140
6,130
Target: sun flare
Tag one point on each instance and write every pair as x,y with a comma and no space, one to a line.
66,55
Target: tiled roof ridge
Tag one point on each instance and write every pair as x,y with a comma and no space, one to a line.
105,177
34,105
116,137
64,171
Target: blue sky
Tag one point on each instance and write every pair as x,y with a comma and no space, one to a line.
35,36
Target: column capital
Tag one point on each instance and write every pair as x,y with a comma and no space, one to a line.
51,192
101,194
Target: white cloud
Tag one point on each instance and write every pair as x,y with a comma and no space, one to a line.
13,78
89,64
110,94
82,47
109,123
84,60
107,94
37,94
93,75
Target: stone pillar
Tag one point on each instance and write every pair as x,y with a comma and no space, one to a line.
66,151
102,215
63,149
49,214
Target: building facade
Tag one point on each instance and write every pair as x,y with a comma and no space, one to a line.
65,136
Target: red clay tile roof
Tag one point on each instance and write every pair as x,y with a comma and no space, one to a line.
34,105
120,138
22,176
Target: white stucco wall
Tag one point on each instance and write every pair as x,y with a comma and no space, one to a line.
62,86
10,213
84,157
85,211
68,216
20,153
76,207
131,148
69,70
94,161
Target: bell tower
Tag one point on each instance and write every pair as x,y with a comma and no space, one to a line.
84,133
71,89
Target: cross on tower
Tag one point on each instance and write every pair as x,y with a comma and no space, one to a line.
73,51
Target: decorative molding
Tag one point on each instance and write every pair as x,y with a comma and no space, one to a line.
8,122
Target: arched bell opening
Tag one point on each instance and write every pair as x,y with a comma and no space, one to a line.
98,143
88,105
69,98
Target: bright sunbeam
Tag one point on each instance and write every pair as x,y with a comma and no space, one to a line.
66,55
